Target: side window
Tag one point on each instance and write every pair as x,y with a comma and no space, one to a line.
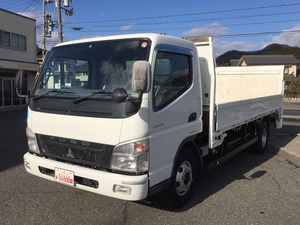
172,77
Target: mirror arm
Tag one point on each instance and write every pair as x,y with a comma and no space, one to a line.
19,95
19,83
140,96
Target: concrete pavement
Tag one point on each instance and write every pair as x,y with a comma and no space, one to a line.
287,139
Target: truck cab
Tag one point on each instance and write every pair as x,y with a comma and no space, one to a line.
81,134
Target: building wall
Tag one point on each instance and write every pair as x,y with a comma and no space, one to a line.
22,26
15,56
243,64
291,70
288,69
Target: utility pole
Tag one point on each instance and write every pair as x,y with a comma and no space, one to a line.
44,29
48,22
59,25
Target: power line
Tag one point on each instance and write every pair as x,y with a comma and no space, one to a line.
186,14
243,34
13,4
10,3
256,23
202,20
257,33
198,20
208,26
17,4
33,4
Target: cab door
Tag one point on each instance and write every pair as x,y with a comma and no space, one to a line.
175,108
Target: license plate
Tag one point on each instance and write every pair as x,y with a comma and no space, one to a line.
64,176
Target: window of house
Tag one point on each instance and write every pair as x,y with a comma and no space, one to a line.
286,70
172,77
5,39
12,40
22,42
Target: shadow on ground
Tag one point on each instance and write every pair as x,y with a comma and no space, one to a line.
12,138
212,181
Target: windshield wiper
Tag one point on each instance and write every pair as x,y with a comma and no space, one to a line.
89,96
35,98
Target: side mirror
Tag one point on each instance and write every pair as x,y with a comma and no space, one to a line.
119,95
20,84
141,77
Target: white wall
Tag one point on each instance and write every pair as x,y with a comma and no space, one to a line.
17,24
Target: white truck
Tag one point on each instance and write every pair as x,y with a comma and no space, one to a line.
129,116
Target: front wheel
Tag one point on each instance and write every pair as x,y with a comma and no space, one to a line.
183,179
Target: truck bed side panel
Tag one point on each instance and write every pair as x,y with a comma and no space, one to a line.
246,93
243,83
232,114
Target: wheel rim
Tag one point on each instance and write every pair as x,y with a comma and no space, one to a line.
184,178
264,138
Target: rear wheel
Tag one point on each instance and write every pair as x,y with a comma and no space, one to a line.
183,179
263,133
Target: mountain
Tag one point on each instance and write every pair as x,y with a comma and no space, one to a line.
272,49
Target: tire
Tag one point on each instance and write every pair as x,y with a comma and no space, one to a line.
261,146
183,179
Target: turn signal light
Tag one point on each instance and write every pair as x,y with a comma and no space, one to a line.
121,189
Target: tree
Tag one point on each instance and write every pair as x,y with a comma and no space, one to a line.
292,87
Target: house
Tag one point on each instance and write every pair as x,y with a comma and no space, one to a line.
289,62
234,62
39,55
17,52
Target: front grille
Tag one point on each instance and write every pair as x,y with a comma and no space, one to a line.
87,153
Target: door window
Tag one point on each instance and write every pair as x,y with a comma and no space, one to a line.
172,77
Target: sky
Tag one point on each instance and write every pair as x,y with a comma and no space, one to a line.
234,24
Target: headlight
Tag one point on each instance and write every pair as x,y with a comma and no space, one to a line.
131,157
32,143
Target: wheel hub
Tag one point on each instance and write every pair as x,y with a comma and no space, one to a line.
184,178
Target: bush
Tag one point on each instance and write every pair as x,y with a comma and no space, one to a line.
292,87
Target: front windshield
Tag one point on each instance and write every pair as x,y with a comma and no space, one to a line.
76,71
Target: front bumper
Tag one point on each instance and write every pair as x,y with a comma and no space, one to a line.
106,180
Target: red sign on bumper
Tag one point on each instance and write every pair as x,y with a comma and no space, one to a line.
64,176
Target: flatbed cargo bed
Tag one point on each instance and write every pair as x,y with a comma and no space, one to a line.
233,96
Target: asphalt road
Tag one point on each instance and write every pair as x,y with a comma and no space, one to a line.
291,109
292,112
247,189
